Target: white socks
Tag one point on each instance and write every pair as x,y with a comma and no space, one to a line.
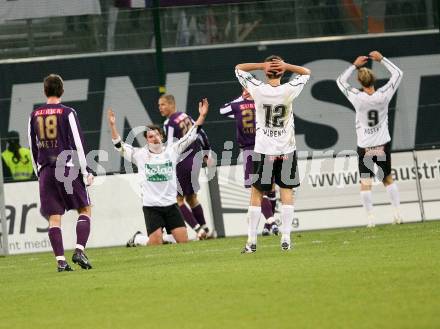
367,201
394,195
141,240
169,238
254,214
287,212
393,192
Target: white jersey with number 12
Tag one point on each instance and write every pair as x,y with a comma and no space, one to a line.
275,127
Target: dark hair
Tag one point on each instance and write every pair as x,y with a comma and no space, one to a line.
272,57
273,74
13,139
53,86
154,127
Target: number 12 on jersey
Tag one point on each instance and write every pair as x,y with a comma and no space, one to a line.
275,115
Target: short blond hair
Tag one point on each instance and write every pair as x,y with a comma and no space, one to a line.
169,98
366,77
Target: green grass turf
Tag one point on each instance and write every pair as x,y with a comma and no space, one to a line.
386,277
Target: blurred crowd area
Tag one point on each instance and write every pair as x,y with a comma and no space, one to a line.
107,25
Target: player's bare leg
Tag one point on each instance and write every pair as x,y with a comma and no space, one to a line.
180,234
82,235
56,240
188,216
287,214
367,200
155,238
393,193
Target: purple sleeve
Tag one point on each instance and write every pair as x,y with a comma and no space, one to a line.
204,142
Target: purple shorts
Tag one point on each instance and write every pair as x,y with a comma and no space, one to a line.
57,197
187,172
247,154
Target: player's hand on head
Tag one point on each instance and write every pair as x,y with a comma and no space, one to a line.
111,117
203,107
376,56
278,66
360,61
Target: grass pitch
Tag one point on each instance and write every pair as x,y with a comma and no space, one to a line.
386,277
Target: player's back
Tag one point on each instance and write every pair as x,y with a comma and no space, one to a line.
244,114
50,125
372,118
274,118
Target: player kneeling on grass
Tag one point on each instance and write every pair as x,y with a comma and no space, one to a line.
157,172
373,137
275,149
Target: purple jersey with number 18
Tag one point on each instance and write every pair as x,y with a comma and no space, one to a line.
53,129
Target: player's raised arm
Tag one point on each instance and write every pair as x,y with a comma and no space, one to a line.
246,79
192,134
396,74
297,84
124,149
281,66
342,81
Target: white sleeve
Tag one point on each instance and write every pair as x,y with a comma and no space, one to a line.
396,77
342,81
32,147
226,110
296,85
248,81
189,138
78,144
126,150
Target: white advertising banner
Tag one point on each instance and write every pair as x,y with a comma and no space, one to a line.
27,9
429,173
328,196
116,214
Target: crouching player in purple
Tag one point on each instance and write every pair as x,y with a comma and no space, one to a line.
157,176
176,126
58,157
242,109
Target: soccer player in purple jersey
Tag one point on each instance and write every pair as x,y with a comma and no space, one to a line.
58,157
176,126
242,109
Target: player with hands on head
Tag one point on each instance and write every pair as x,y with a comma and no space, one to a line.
373,137
275,148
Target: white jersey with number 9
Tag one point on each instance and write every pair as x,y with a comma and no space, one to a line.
371,110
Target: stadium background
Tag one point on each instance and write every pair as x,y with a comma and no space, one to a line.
107,55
